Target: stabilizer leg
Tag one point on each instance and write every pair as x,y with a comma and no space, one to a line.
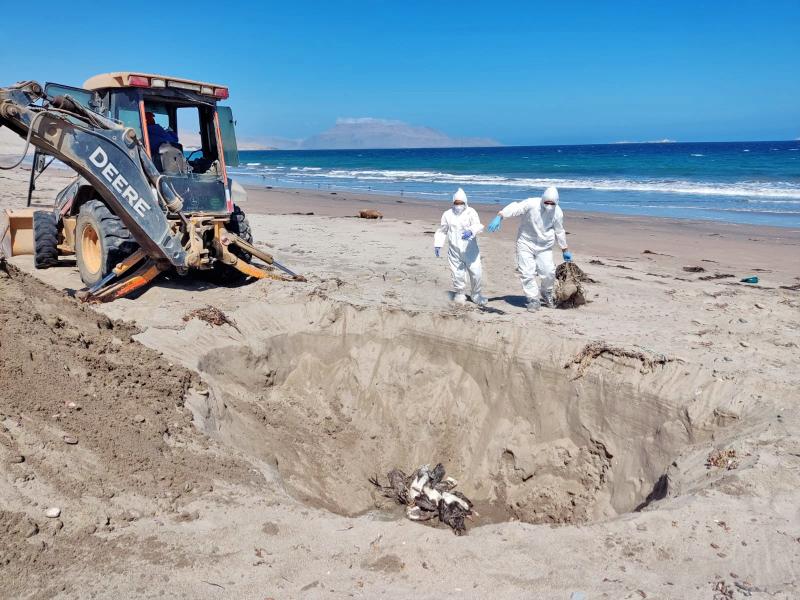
228,238
139,278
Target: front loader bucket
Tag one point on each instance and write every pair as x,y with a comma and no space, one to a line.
16,232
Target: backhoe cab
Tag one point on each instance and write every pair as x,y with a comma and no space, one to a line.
161,110
152,191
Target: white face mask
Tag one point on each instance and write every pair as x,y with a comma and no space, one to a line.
548,207
458,208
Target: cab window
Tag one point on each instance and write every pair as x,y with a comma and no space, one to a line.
226,130
125,109
81,96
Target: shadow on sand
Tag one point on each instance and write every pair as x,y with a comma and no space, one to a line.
518,301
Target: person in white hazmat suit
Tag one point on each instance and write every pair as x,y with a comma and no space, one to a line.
460,228
542,225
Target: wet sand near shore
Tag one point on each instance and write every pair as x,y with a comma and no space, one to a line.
368,366
744,248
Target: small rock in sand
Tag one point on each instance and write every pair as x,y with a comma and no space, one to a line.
52,513
16,459
370,214
759,305
69,439
139,418
32,530
744,344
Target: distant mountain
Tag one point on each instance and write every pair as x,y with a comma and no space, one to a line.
191,140
356,134
368,132
267,143
11,143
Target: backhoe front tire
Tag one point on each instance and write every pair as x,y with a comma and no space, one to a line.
45,239
101,241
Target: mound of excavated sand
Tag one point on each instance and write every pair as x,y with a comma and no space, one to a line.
94,423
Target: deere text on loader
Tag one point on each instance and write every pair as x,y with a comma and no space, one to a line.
141,203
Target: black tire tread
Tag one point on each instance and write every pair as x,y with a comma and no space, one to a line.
45,239
116,238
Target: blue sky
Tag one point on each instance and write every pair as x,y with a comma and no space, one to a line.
518,72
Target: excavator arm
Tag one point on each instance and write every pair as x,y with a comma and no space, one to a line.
109,156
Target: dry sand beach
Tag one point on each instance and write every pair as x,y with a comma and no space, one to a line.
232,461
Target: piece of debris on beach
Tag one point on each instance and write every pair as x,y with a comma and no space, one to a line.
569,290
722,459
428,494
694,269
212,316
716,276
370,214
595,349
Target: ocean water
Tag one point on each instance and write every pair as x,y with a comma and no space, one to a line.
740,182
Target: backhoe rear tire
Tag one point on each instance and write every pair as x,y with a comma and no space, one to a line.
45,239
101,241
238,225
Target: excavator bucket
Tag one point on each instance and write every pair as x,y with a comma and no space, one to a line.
16,232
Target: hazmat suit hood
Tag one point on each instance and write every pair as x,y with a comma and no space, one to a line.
550,195
460,195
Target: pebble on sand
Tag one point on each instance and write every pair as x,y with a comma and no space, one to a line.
52,513
68,439
139,418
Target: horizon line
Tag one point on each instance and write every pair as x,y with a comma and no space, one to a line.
620,143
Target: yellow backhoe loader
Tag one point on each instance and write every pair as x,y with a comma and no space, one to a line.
141,203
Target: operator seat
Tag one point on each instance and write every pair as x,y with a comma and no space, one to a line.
173,162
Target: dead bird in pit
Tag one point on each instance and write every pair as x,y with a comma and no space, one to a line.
427,494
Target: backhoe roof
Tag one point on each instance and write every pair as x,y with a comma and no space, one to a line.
120,79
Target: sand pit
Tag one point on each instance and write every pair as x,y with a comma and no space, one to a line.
527,439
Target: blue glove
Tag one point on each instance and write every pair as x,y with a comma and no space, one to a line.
567,256
467,235
436,251
495,224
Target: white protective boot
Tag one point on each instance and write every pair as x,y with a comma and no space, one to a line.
548,299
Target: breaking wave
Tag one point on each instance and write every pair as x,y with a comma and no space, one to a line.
749,189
